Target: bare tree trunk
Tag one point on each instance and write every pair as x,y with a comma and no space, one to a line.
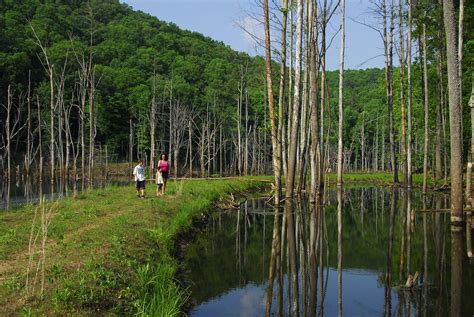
290,180
8,133
91,124
313,78
409,92
190,149
60,106
201,150
302,145
152,128
220,152
40,147
388,44
130,147
239,120
29,136
281,146
376,146
208,147
341,100
170,130
440,101
67,128
271,106
471,105
455,112
426,119
460,45
51,123
402,90
287,123
82,131
321,171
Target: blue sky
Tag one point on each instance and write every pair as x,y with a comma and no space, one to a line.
220,19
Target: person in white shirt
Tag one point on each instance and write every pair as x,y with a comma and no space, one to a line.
159,182
139,175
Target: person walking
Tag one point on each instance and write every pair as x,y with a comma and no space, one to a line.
139,176
164,167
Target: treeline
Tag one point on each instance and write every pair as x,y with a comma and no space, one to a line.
399,118
84,80
312,134
80,76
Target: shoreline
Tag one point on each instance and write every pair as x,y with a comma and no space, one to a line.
102,257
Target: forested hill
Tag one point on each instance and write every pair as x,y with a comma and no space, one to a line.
128,48
138,60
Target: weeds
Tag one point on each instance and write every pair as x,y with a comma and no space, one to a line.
160,295
112,253
39,231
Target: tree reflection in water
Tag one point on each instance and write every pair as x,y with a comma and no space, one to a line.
347,261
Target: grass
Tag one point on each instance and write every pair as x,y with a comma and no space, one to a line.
108,252
382,178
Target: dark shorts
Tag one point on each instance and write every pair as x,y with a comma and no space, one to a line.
159,186
165,175
140,184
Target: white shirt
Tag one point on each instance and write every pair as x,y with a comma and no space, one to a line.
159,179
139,173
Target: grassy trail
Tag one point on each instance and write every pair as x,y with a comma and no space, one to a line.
108,252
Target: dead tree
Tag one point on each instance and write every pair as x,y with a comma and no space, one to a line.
49,67
313,100
12,127
276,159
426,116
401,56
409,96
290,179
341,100
29,133
180,116
388,49
455,110
152,121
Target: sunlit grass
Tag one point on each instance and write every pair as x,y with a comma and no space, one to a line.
382,178
100,242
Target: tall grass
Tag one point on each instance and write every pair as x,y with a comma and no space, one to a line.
159,292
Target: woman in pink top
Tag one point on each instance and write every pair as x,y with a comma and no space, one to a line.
164,167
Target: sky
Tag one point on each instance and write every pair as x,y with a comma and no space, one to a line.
222,20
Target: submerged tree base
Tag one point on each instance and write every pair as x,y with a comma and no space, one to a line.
107,250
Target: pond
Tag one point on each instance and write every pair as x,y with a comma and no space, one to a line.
25,190
345,259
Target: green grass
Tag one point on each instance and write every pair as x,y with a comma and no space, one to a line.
382,178
108,252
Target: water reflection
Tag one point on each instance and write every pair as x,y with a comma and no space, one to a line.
456,271
26,189
350,257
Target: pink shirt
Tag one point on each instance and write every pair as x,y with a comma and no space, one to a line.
163,165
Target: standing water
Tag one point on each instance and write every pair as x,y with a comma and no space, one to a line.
26,190
353,254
